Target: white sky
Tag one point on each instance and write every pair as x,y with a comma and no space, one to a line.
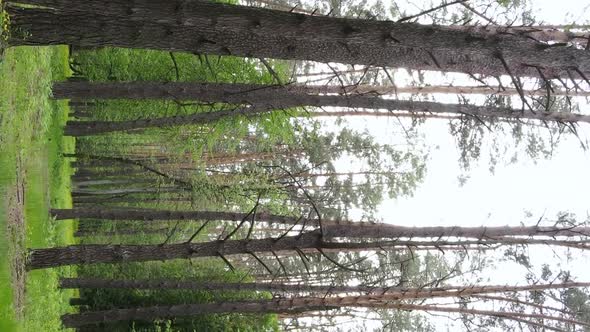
545,187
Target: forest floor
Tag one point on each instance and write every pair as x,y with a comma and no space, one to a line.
33,178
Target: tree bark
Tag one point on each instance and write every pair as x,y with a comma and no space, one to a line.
76,301
299,304
509,315
540,33
264,98
186,310
122,232
211,286
331,229
400,292
89,254
378,90
381,230
85,128
213,28
152,215
187,186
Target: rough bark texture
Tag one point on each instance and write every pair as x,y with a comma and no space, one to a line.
390,291
121,232
212,286
88,254
302,304
376,230
212,28
152,215
377,90
183,310
83,128
264,98
540,33
331,229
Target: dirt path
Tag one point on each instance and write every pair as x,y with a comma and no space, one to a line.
16,232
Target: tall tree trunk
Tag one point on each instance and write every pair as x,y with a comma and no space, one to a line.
122,232
186,310
245,157
84,128
151,215
510,315
392,114
381,230
295,305
211,286
392,292
186,185
442,89
213,28
88,254
121,191
264,98
524,303
331,229
540,33
112,182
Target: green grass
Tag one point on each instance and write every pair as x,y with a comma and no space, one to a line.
31,144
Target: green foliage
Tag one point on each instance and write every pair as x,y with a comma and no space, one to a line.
199,270
527,139
375,170
578,301
113,64
404,321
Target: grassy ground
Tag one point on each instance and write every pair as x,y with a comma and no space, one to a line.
33,177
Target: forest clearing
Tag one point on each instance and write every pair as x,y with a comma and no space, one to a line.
282,165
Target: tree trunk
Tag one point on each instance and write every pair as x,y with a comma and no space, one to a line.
391,114
187,186
112,182
510,315
264,98
378,90
540,33
400,292
523,303
186,310
124,191
122,232
98,253
152,215
211,286
76,301
381,230
331,229
295,305
87,254
213,28
84,128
